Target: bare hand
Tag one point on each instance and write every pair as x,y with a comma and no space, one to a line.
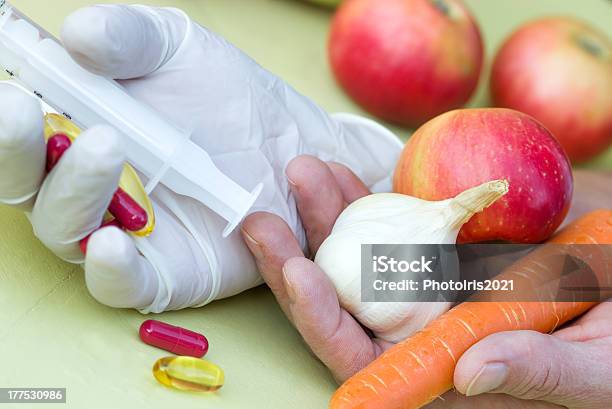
302,289
526,370
569,369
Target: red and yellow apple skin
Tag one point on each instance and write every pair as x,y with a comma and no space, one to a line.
406,61
464,148
559,70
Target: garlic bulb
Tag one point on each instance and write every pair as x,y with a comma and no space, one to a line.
392,218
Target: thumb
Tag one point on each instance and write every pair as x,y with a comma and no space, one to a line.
124,42
528,365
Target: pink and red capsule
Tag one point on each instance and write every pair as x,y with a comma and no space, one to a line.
57,145
177,340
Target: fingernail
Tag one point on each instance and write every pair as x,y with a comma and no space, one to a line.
291,182
253,245
490,377
288,286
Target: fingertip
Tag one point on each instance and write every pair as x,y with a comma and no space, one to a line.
103,138
123,42
271,242
22,147
256,224
351,186
270,239
593,325
252,227
21,119
309,288
89,37
298,265
300,278
496,348
110,240
494,362
303,169
99,149
318,196
116,274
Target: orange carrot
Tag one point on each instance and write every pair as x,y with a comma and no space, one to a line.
418,370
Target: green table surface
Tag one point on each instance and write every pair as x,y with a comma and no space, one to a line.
53,334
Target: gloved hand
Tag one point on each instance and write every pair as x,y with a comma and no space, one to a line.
251,123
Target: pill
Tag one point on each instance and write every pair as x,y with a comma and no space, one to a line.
57,145
131,204
123,207
83,243
127,211
173,339
188,374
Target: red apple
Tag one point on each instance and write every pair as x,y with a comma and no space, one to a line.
559,70
464,148
406,61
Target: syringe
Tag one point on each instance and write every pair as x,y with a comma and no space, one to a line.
160,150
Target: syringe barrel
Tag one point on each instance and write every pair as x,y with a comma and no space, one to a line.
38,61
153,145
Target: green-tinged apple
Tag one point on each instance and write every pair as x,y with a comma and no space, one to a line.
464,148
406,61
559,70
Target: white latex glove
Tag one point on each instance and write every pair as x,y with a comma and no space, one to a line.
250,122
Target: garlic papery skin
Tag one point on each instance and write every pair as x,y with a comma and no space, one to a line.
392,218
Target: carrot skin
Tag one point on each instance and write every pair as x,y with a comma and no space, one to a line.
419,369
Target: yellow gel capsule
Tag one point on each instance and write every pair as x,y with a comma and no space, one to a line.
55,124
129,180
188,374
